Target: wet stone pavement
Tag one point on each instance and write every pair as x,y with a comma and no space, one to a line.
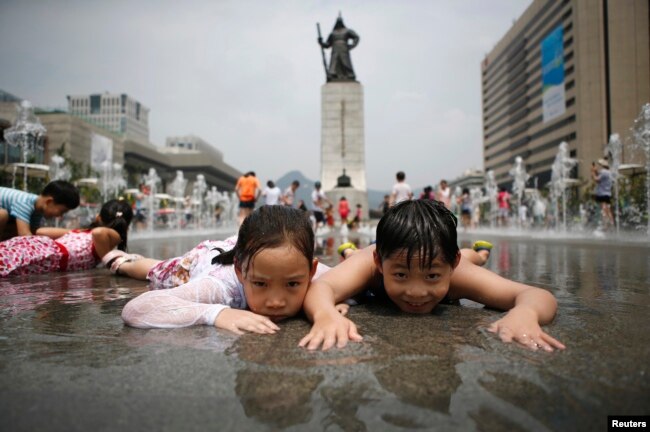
68,363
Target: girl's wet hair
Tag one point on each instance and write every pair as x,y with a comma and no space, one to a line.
270,227
424,228
117,215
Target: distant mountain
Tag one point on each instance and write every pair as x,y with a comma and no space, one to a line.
375,197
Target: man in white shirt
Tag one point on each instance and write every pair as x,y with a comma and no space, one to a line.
271,193
319,199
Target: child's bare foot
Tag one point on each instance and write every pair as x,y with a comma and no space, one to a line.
346,250
115,258
483,249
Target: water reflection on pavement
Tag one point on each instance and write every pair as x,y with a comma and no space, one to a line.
68,363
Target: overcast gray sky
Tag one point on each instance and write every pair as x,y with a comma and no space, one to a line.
246,75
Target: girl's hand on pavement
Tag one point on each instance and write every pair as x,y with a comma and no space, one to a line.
239,321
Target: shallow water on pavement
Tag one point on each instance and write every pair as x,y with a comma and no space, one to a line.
68,363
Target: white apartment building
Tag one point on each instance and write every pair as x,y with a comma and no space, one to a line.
117,113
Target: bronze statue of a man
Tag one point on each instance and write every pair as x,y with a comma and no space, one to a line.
340,67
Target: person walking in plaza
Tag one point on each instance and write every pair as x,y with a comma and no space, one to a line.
289,195
401,190
344,210
358,216
427,193
60,249
318,200
603,193
444,194
465,203
384,205
21,213
503,200
248,191
271,193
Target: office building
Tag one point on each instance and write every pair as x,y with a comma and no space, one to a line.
571,70
90,142
190,154
117,113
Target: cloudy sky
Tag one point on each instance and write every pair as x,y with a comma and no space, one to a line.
246,75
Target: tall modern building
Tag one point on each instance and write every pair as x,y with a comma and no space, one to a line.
118,113
570,70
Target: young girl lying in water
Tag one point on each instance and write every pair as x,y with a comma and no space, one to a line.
417,264
267,270
60,249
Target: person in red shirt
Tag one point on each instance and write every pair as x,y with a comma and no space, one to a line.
247,190
344,210
503,199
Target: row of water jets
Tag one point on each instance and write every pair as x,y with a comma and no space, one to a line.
561,177
28,134
202,201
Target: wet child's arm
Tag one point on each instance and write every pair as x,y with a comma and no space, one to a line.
53,233
528,307
345,280
198,302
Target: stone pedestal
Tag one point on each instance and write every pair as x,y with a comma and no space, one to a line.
342,143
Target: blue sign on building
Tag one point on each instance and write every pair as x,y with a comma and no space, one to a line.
553,100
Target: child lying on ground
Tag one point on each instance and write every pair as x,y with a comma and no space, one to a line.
250,285
60,249
417,264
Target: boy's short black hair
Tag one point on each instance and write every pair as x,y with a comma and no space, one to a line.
425,228
62,192
400,175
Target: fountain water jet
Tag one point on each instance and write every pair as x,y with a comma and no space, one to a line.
59,171
112,180
151,180
560,177
614,148
27,133
177,189
641,135
198,193
491,192
520,177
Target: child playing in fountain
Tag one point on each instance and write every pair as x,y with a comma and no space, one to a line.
267,269
59,249
21,213
416,264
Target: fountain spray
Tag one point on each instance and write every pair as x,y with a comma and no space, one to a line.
641,134
27,133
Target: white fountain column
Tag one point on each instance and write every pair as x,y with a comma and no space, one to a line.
614,148
641,133
520,177
491,192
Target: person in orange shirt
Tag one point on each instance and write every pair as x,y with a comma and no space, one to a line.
247,190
